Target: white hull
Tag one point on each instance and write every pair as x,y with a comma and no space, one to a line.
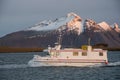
70,64
67,62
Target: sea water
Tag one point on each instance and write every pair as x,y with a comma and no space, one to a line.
14,66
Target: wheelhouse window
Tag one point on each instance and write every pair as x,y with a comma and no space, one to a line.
84,53
75,53
101,54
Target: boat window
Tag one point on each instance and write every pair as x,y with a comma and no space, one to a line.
100,54
84,53
75,53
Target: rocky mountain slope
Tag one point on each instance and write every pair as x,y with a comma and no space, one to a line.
75,33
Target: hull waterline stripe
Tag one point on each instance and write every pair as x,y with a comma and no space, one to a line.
71,61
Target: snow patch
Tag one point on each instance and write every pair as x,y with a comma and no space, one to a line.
70,22
104,26
51,25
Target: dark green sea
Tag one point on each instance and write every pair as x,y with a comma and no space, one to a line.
14,66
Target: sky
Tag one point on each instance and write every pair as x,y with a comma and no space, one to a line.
18,15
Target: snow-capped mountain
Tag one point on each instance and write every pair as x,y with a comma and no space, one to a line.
75,32
70,22
102,32
116,27
105,26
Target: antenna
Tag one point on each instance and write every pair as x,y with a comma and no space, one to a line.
59,37
89,39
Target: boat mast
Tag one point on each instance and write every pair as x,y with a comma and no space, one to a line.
89,39
59,37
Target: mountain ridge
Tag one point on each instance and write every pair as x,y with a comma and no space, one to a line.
74,31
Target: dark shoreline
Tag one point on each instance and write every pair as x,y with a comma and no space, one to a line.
19,50
109,48
113,49
22,50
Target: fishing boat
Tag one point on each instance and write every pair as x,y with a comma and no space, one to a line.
84,56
